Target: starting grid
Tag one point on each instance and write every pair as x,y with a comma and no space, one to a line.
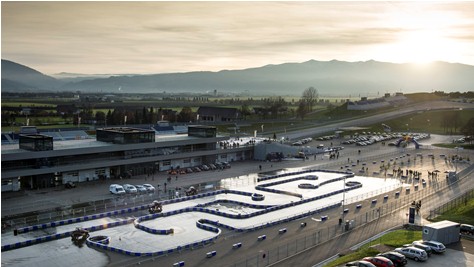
205,224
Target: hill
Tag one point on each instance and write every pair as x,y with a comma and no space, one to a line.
17,77
368,78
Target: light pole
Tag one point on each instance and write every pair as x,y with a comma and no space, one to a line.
343,200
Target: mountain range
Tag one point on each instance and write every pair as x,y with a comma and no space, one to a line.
329,77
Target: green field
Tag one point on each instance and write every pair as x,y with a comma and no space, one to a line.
463,213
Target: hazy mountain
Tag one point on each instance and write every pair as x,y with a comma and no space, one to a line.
329,77
78,77
17,77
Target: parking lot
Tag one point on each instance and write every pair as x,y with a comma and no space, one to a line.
457,255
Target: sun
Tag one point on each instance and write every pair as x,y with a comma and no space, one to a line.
423,35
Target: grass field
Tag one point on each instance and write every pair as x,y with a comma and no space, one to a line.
464,214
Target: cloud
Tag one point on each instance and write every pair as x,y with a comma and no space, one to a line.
153,37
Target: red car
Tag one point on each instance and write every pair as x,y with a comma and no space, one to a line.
379,261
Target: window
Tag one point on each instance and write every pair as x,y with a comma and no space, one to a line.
167,163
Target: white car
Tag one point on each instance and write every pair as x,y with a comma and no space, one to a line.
130,188
149,188
116,189
140,188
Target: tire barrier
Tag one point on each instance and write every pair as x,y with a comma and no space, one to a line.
262,237
385,197
359,206
324,218
80,219
257,197
202,225
150,254
282,231
374,201
308,186
102,239
397,193
63,235
303,224
346,211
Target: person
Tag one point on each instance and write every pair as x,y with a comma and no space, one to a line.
260,167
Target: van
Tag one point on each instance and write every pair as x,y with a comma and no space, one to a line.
116,189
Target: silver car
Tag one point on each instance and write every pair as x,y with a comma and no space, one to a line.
416,254
435,246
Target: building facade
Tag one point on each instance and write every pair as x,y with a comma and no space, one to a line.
119,153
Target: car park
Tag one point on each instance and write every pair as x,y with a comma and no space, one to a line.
360,263
435,246
413,253
397,258
140,189
379,261
149,188
467,229
130,189
116,189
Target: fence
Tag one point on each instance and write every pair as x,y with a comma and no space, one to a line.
454,203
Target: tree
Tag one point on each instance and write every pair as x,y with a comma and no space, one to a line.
310,97
100,117
245,111
302,110
468,129
185,115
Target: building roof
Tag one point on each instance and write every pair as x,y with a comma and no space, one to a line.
223,112
93,143
442,224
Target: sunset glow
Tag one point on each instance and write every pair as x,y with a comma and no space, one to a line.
163,37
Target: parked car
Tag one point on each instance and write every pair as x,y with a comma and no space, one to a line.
204,167
140,188
69,185
413,253
189,170
467,229
428,250
130,189
379,261
116,189
361,263
196,169
397,258
212,166
149,188
435,246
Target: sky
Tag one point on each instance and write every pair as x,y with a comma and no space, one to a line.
166,37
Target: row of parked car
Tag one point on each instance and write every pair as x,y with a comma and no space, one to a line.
117,189
417,251
204,167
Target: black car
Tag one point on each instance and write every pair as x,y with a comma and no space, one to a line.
467,229
397,258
